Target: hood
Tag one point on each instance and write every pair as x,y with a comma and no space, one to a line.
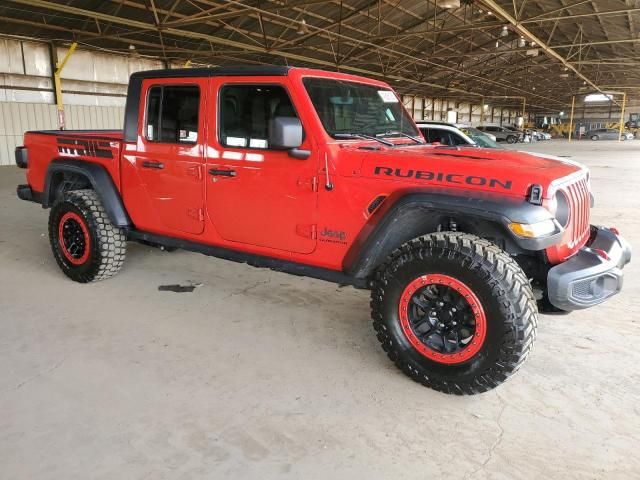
501,171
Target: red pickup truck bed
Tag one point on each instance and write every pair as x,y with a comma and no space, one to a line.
102,146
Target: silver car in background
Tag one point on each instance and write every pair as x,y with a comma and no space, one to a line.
502,134
608,134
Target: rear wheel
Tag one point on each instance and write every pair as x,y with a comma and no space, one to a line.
512,139
85,244
454,312
595,138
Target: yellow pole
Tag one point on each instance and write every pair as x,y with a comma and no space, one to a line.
524,112
624,102
58,85
187,64
573,105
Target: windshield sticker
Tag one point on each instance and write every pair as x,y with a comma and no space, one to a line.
388,96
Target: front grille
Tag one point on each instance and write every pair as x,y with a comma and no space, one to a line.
578,197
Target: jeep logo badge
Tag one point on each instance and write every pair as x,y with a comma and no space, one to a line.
334,235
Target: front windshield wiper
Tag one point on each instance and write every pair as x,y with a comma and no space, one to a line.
365,137
406,135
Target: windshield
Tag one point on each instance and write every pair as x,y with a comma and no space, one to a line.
480,138
350,108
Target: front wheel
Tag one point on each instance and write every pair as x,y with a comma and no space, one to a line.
512,139
454,312
85,244
595,138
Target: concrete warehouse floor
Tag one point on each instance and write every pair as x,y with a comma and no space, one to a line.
260,375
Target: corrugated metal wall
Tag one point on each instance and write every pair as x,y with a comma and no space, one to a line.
470,114
16,118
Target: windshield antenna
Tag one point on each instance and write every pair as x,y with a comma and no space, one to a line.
328,185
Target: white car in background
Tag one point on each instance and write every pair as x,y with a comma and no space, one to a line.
443,133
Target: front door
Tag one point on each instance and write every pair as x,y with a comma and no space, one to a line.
167,190
258,195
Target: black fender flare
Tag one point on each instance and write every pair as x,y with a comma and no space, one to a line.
99,179
411,215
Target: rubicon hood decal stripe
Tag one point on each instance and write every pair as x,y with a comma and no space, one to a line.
443,177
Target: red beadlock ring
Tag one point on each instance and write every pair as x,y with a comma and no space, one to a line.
69,219
479,334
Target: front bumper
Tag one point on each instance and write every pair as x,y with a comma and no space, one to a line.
592,275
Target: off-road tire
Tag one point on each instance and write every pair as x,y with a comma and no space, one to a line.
499,284
106,245
512,139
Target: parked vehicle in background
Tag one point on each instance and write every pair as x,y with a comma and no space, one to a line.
534,134
444,133
482,139
546,135
608,134
502,134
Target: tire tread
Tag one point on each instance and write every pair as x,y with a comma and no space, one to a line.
508,283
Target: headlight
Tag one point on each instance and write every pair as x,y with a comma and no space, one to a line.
563,210
533,230
552,205
558,206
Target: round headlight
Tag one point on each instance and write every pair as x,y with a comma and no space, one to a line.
563,211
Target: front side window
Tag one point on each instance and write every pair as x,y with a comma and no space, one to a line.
246,112
172,114
356,108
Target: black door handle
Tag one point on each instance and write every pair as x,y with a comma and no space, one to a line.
224,173
148,164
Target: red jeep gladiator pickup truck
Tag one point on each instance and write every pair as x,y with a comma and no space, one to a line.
325,175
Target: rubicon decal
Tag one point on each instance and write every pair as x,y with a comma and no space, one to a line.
441,177
85,148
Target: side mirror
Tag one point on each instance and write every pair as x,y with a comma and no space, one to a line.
286,133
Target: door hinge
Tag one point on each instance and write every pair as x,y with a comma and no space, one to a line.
306,231
195,172
311,183
196,214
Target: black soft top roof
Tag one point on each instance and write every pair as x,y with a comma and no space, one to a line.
135,86
240,70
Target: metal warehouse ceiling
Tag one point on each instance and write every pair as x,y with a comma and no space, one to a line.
545,51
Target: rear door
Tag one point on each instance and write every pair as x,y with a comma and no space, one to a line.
166,193
258,195
612,134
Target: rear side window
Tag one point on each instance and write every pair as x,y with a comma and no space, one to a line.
172,114
246,112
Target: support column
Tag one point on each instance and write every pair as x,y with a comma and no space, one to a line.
573,105
624,103
58,84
